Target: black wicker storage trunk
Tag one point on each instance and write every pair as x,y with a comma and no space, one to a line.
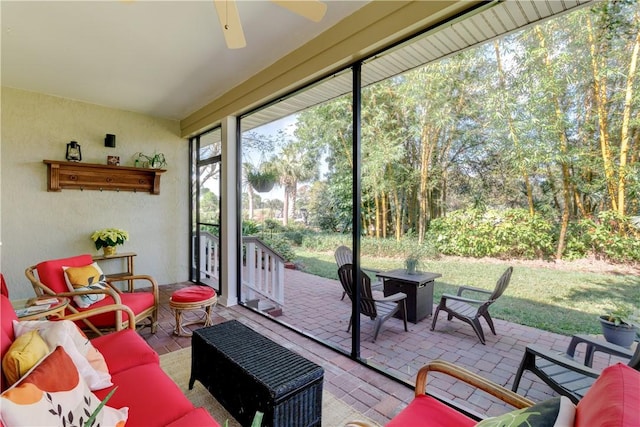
247,372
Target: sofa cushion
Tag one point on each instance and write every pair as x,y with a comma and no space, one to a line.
197,417
85,278
53,393
89,362
25,352
50,272
124,349
555,412
193,294
427,411
7,336
152,397
612,401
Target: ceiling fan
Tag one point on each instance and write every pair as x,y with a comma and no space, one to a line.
313,10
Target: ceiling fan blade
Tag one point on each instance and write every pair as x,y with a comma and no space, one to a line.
230,23
310,9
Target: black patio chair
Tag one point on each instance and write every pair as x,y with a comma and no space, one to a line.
377,309
343,255
563,373
470,310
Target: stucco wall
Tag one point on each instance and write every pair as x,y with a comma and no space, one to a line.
37,225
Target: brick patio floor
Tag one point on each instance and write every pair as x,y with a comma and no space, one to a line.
313,306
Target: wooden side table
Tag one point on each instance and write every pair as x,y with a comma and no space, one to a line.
28,309
115,277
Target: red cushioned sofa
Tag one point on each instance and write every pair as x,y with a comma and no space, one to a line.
612,401
152,397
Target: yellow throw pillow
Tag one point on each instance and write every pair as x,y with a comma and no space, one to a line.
81,277
89,277
25,352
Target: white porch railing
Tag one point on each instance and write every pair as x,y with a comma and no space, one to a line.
262,272
262,268
209,264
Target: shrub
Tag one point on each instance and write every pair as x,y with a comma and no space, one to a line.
249,227
612,237
511,233
294,237
272,225
281,246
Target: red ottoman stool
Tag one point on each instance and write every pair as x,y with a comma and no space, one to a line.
192,298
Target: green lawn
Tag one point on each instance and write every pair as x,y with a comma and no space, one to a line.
565,302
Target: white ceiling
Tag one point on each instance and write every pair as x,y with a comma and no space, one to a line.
161,58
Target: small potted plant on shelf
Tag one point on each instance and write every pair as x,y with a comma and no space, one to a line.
108,239
154,161
620,325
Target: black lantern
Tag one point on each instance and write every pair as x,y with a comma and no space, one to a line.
73,152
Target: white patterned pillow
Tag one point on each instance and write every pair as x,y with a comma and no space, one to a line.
88,361
54,393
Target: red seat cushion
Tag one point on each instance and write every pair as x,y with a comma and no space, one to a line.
136,301
138,352
152,397
612,401
197,417
193,294
429,412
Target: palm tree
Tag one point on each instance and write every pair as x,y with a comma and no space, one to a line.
294,165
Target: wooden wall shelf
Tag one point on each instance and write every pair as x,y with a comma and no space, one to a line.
88,176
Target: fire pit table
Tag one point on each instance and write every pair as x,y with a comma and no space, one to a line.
247,372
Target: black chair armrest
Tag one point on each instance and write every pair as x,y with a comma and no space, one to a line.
392,298
561,359
372,270
594,344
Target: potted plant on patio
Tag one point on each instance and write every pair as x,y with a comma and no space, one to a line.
619,326
108,239
411,262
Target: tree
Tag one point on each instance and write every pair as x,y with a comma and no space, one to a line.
297,162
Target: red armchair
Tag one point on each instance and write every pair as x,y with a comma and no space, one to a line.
47,278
